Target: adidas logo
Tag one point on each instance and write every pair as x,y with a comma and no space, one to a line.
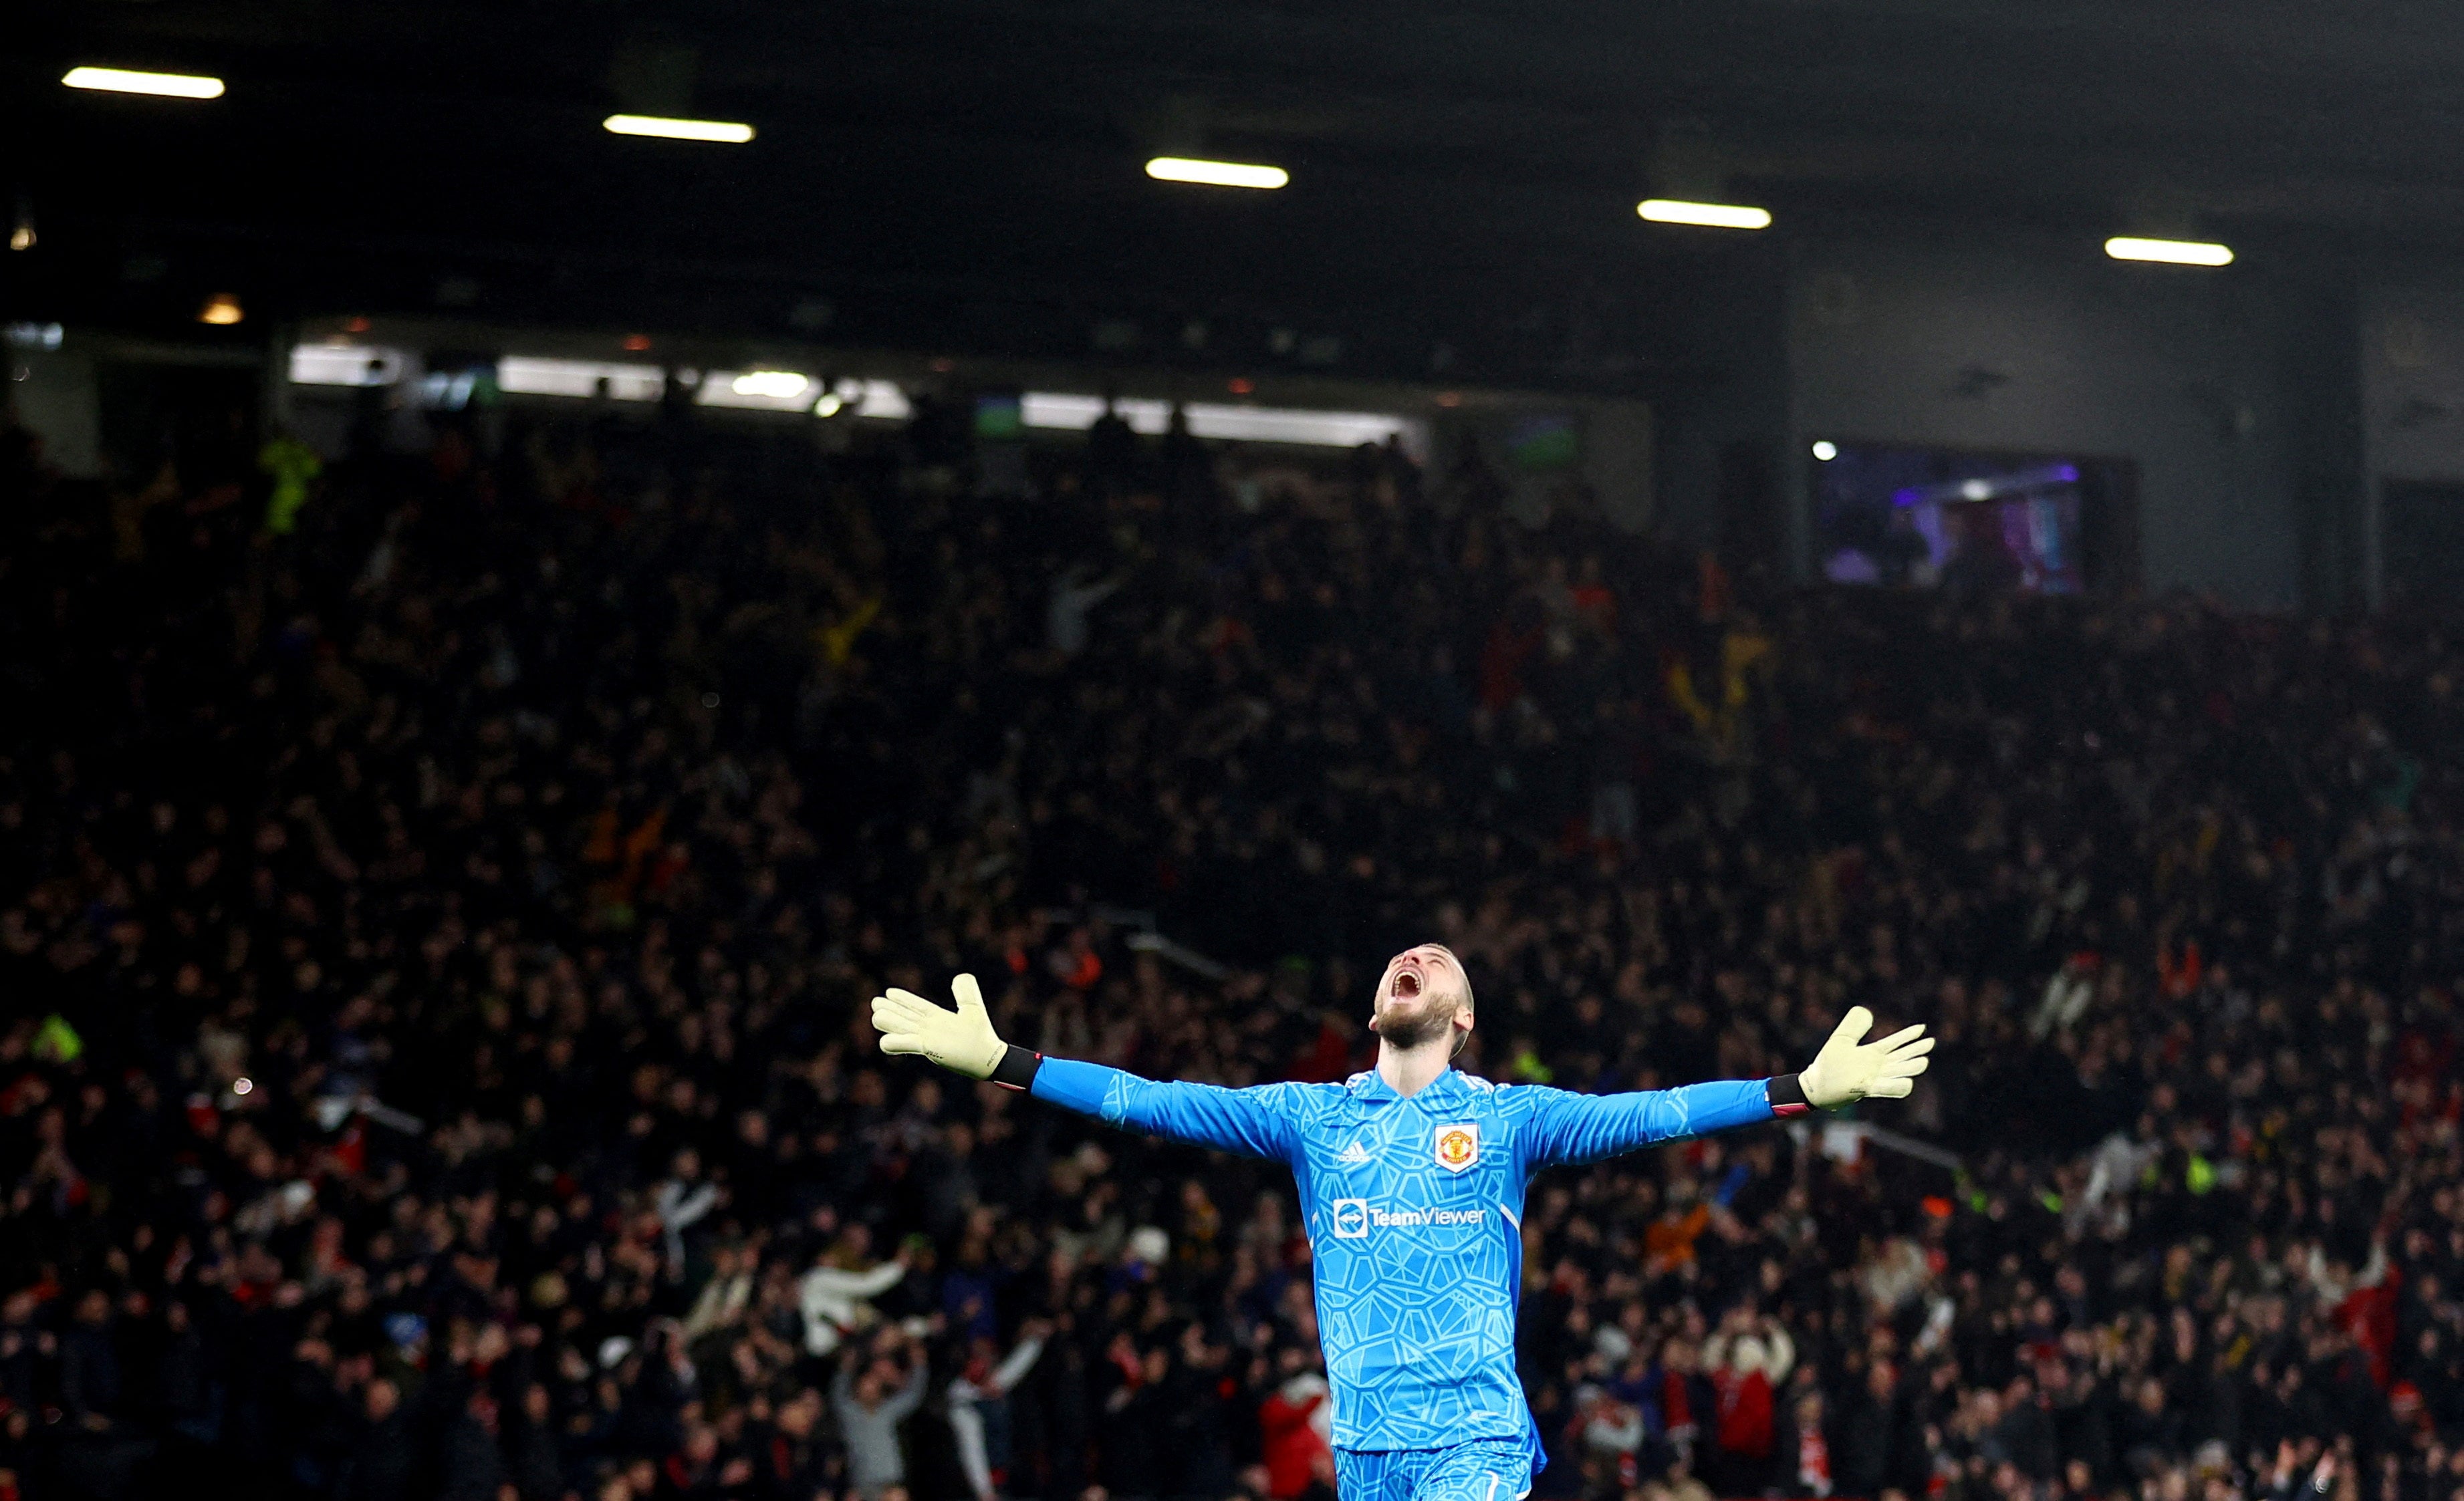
1353,1156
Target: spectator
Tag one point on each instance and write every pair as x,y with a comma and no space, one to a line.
437,942
871,1407
1295,1423
980,1409
833,1295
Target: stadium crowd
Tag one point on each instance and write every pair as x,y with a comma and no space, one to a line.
436,929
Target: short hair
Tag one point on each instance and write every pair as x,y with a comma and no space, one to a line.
1462,1039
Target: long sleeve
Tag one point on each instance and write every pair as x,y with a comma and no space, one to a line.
1783,1354
2375,1271
1021,1361
683,1210
1715,1351
831,1281
967,1426
1259,1123
721,1299
1085,596
828,1297
910,1397
1567,1127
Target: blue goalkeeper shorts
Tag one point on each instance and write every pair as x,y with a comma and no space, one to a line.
1477,1470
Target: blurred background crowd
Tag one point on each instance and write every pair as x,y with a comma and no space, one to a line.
434,934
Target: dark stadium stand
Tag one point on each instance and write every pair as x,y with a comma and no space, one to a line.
435,939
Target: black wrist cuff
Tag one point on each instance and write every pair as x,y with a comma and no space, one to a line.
1786,1096
1017,1067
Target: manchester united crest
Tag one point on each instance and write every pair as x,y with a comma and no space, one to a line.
1458,1146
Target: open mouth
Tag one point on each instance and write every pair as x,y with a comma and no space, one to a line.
1407,984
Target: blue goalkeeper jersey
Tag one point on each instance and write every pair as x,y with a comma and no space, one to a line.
1414,1215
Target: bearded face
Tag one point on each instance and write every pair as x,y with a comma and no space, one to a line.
1420,997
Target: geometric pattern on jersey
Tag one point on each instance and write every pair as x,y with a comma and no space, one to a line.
1482,1469
1419,1263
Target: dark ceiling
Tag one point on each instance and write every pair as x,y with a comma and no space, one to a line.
1464,175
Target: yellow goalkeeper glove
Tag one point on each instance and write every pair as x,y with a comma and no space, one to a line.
962,1042
1849,1069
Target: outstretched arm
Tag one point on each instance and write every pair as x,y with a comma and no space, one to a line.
1256,1121
1567,1127
911,1396
1581,1128
1007,1374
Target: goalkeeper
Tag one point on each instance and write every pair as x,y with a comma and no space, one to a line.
1411,1181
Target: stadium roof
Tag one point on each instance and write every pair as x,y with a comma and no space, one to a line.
1454,168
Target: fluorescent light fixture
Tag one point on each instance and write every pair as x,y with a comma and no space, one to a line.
128,80
1317,429
879,399
520,375
221,309
784,385
529,375
1826,450
1713,216
1216,174
679,129
1054,410
876,398
346,365
756,390
2172,252
1051,410
785,391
